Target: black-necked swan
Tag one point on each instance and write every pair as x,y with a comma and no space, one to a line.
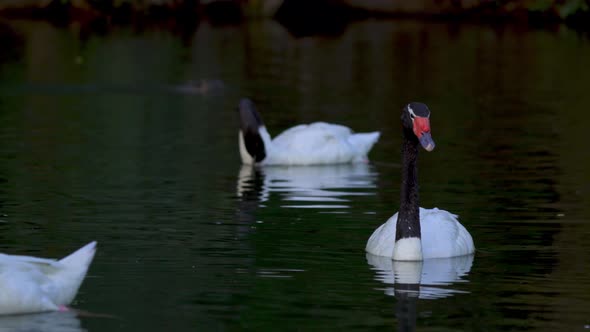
414,233
309,144
31,284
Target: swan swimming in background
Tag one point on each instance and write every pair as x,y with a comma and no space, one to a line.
414,233
31,284
313,144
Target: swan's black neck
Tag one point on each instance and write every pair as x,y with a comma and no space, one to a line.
408,221
250,124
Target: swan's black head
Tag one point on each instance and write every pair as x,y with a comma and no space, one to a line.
416,119
250,123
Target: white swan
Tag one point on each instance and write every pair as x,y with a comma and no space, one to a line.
414,233
31,284
313,144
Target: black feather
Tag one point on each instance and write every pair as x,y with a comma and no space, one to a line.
250,123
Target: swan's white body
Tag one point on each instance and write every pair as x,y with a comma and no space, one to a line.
31,284
314,144
442,236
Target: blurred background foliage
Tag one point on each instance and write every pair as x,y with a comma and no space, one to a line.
576,12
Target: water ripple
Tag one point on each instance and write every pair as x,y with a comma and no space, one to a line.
307,185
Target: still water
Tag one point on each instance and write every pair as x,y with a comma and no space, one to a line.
129,138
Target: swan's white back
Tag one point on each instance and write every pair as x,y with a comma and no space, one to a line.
314,144
31,284
442,236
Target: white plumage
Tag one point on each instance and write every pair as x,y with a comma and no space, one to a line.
318,143
31,284
314,144
442,236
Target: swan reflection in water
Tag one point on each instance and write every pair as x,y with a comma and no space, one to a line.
409,281
49,321
431,276
322,186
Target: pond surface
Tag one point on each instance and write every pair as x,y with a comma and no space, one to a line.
129,138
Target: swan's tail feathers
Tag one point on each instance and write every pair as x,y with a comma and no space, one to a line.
252,149
71,273
363,142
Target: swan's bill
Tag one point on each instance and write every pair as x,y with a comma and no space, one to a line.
427,142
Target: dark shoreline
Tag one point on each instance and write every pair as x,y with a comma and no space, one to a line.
302,17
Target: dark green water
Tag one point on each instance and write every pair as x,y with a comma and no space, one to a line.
129,138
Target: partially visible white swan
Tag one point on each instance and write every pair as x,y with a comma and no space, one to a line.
313,144
31,284
414,233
